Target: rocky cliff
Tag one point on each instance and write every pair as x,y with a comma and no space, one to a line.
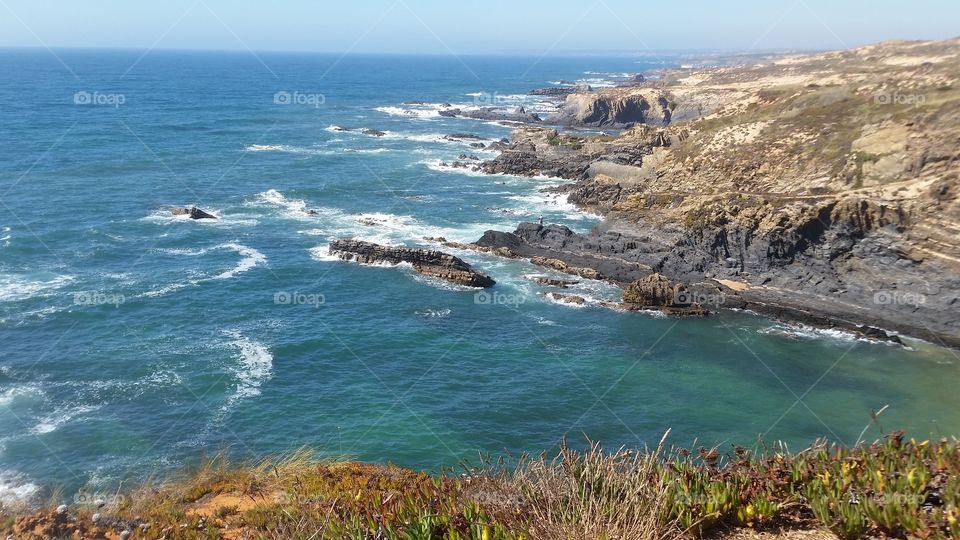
820,187
616,108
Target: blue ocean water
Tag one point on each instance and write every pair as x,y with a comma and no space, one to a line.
133,342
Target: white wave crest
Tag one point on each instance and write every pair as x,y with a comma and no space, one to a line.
15,489
433,313
251,258
290,149
255,366
51,422
420,112
14,288
9,396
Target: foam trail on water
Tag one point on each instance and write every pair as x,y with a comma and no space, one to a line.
251,259
14,288
52,422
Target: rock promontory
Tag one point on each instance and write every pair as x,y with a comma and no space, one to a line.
435,264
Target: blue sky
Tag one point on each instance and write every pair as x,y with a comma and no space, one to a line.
478,27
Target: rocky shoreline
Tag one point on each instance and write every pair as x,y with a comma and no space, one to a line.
816,189
807,189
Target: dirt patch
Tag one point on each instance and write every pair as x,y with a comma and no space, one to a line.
738,286
750,534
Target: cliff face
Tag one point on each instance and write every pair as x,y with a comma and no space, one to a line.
616,107
822,184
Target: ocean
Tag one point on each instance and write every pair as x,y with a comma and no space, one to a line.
134,342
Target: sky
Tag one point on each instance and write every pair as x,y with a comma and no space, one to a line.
491,27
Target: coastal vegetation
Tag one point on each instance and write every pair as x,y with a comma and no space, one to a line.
892,488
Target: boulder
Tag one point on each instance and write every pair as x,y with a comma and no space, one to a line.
568,299
870,332
657,292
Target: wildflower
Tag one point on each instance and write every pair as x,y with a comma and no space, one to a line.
845,471
485,535
881,481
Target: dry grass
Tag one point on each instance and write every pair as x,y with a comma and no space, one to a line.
892,489
596,495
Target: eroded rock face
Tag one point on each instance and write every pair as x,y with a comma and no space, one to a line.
616,108
540,152
427,262
657,292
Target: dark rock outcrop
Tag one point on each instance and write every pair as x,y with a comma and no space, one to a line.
193,212
634,80
568,299
550,282
561,91
559,248
427,262
494,114
537,152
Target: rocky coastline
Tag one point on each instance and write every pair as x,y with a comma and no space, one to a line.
819,189
808,189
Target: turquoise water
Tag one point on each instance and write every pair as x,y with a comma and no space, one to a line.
132,341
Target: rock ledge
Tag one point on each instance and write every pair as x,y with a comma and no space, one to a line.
427,262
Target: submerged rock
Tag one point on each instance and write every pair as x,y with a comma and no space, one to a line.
568,299
427,262
193,212
550,282
494,114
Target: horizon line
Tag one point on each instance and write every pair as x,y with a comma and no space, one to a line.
533,53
